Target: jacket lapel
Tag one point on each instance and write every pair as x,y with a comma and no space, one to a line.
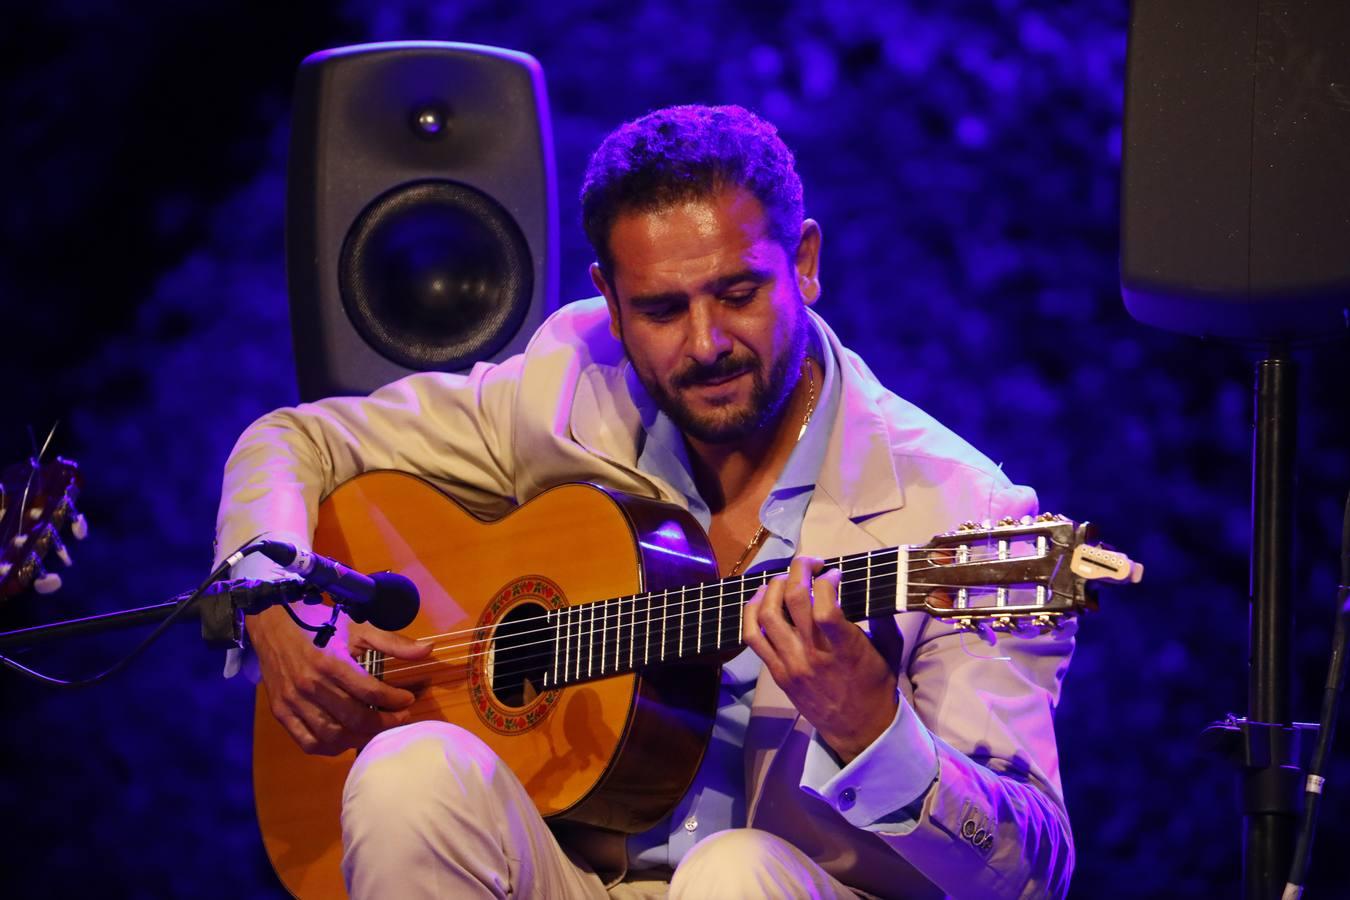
857,485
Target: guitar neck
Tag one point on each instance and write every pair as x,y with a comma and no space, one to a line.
611,637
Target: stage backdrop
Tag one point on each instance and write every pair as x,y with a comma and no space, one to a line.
963,160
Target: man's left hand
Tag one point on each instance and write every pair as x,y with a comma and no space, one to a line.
823,662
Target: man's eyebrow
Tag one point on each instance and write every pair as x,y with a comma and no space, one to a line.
716,286
744,276
668,298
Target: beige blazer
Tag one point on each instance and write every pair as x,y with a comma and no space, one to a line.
992,825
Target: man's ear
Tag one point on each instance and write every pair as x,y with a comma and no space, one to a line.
611,299
808,261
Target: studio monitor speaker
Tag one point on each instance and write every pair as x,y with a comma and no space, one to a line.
421,211
1235,202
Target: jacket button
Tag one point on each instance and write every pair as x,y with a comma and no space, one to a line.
847,797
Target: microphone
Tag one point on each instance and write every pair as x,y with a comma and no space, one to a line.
386,600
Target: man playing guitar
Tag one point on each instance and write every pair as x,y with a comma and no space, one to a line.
894,761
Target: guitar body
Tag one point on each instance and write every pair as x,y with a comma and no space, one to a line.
615,752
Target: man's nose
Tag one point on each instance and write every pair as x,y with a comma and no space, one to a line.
708,340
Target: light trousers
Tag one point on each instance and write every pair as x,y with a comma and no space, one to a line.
430,811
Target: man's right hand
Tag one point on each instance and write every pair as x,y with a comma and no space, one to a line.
323,698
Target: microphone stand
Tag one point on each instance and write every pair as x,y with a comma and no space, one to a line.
220,608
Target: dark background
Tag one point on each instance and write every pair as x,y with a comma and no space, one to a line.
963,159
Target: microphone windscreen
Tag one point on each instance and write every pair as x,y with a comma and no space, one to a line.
395,603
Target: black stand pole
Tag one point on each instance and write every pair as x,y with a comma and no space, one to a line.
220,609
1271,785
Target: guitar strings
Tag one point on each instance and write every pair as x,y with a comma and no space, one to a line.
585,632
531,665
729,599
880,569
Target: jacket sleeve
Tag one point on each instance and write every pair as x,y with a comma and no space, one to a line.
454,430
993,822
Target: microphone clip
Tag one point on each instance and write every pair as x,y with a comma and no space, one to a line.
223,605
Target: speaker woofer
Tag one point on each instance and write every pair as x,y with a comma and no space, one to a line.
436,275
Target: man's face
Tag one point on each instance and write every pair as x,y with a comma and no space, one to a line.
711,311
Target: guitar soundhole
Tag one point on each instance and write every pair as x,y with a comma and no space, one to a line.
520,655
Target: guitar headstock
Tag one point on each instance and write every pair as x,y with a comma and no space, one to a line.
37,502
1020,576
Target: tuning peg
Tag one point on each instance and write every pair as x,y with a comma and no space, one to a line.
1044,623
79,526
60,550
47,583
978,627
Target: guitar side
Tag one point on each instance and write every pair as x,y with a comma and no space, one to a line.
616,752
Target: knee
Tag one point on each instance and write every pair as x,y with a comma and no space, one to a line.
741,862
423,768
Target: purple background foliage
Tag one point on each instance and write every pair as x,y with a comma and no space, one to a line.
963,159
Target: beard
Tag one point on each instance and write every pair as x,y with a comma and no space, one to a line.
769,391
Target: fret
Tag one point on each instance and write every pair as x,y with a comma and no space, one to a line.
590,636
669,635
567,643
661,630
560,659
565,622
603,615
669,618
612,630
695,617
698,645
551,678
867,588
578,615
647,630
744,591
679,644
579,633
739,595
618,636
632,631
851,590
720,594
606,637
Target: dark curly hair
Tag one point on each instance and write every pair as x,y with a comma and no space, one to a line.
686,152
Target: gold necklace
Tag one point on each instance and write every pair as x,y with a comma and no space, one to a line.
761,531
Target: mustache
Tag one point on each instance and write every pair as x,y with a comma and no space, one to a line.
724,367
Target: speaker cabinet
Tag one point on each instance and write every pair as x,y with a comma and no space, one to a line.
1235,203
421,212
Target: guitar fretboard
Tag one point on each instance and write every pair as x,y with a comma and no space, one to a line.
611,637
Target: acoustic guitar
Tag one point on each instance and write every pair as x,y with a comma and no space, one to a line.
580,637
